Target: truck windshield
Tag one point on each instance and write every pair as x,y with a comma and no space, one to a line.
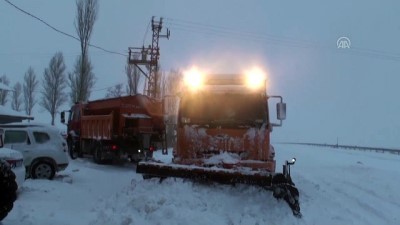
223,109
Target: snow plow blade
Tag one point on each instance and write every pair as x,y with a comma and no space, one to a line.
224,176
279,183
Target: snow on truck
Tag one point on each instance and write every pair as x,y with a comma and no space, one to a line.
222,134
126,127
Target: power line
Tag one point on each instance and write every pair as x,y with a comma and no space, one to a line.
230,31
195,27
241,36
68,35
62,32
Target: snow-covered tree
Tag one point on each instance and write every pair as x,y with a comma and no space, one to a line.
4,93
16,101
29,87
170,83
82,79
53,85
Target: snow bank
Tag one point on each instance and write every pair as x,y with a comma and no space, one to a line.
336,187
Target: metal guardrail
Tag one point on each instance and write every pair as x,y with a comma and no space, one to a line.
351,147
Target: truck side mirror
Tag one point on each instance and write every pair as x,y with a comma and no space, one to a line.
281,110
62,117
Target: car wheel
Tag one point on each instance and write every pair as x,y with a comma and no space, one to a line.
43,170
8,189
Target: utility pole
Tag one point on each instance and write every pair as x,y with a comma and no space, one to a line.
337,142
148,57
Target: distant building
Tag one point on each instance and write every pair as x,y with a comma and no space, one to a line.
10,116
5,87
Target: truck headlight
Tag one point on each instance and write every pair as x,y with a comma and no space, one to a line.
193,78
255,78
185,120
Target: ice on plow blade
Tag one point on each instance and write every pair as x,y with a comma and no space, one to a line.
282,187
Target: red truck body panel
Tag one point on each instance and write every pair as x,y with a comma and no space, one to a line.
97,127
109,118
133,123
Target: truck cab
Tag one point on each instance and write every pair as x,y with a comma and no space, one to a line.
224,122
223,134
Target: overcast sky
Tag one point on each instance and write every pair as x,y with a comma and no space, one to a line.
350,94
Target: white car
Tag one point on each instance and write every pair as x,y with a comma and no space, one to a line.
43,148
15,160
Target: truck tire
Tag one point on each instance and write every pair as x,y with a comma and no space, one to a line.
72,150
8,189
98,154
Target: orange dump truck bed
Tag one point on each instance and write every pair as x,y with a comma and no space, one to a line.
97,127
126,127
116,117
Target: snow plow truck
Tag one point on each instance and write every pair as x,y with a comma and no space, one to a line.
222,134
120,128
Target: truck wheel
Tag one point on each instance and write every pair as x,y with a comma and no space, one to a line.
97,155
43,170
8,189
72,150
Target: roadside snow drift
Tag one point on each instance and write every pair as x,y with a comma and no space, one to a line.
336,187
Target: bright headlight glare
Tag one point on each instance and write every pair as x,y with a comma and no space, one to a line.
193,78
185,120
255,78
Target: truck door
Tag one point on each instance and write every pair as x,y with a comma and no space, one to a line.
74,121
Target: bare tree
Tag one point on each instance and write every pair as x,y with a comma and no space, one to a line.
16,102
170,83
82,79
163,84
29,86
3,92
53,84
133,75
159,82
115,91
81,85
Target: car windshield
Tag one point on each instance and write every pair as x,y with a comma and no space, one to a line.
208,108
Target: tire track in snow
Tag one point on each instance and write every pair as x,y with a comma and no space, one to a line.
316,199
372,193
364,205
361,202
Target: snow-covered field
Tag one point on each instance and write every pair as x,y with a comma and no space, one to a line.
336,187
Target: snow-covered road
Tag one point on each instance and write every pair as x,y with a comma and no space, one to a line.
347,187
336,187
